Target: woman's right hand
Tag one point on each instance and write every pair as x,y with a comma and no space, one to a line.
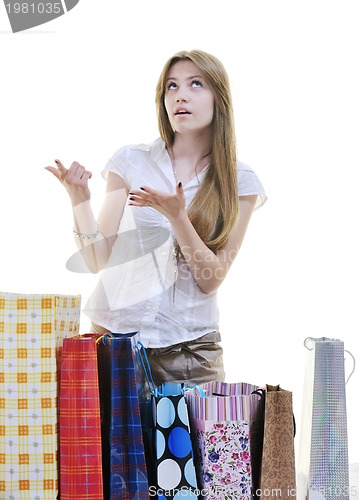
75,180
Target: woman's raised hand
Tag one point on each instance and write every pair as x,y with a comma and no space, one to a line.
170,205
75,180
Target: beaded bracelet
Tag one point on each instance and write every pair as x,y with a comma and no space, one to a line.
90,236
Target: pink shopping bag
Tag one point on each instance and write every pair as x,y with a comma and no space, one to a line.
225,420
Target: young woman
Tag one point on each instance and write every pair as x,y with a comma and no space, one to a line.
173,220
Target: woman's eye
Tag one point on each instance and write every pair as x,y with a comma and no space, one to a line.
196,83
171,86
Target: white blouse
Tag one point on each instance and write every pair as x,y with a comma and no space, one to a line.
142,288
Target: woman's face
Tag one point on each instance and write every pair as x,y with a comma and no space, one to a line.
189,100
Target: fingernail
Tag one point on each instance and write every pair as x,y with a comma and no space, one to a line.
132,199
57,162
180,184
142,188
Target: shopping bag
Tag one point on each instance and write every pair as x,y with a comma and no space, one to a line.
80,423
323,468
124,463
171,458
277,469
32,329
226,420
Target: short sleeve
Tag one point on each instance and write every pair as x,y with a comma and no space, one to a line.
249,184
118,163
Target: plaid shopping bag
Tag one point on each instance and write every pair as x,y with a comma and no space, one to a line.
124,464
80,423
226,422
32,328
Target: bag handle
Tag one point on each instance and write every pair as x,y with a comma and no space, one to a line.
259,392
310,347
104,336
194,387
354,363
147,368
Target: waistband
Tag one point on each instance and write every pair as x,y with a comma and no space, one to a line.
208,338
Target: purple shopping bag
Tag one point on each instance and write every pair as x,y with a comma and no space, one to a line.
226,422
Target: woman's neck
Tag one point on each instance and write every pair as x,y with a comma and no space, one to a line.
191,148
189,155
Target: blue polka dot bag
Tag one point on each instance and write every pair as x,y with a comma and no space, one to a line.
167,433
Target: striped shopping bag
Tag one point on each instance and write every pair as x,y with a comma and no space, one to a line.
226,422
32,328
124,464
80,423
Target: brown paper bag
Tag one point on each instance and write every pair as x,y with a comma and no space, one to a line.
277,470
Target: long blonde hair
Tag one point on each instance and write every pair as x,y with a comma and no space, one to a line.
214,209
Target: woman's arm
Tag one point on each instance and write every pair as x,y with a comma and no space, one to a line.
100,236
96,252
207,268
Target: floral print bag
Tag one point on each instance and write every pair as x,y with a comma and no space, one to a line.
226,421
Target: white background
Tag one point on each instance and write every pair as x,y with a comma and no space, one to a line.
83,85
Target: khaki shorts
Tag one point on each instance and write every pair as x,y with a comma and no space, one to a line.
196,362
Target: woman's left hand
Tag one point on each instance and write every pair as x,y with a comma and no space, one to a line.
170,205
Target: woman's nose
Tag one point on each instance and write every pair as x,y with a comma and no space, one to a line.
181,99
